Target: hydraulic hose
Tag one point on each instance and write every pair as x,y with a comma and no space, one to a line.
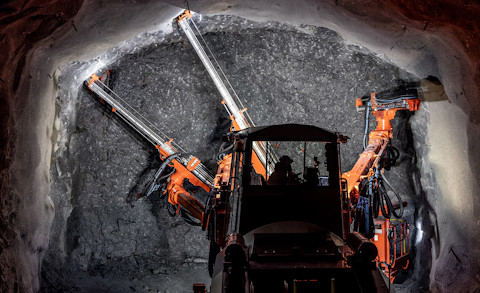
376,204
398,198
222,150
164,184
383,196
170,207
207,209
153,186
367,118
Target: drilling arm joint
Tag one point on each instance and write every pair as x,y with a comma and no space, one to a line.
185,14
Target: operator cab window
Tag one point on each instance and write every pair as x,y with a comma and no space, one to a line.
291,163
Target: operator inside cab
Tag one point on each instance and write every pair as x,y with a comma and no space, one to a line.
302,163
283,174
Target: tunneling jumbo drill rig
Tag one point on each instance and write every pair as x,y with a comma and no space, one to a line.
270,229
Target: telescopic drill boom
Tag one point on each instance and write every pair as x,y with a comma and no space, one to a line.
238,115
190,168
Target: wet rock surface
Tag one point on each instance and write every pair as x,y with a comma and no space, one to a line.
100,240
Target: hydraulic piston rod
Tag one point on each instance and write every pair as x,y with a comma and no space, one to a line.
161,142
239,120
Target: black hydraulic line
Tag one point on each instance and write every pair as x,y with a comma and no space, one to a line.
387,200
397,196
207,209
223,150
170,206
167,175
376,204
383,197
163,186
401,92
391,158
367,113
382,201
153,186
396,153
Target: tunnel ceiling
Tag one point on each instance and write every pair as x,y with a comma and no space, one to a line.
26,81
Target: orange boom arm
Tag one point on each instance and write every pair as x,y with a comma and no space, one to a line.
378,139
190,169
391,240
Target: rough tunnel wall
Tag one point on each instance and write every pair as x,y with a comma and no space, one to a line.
23,239
102,240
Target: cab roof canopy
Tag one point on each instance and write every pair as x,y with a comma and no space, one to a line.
289,132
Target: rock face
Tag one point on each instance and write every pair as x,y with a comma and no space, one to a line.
40,39
283,74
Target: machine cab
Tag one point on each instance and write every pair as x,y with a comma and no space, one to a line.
298,180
